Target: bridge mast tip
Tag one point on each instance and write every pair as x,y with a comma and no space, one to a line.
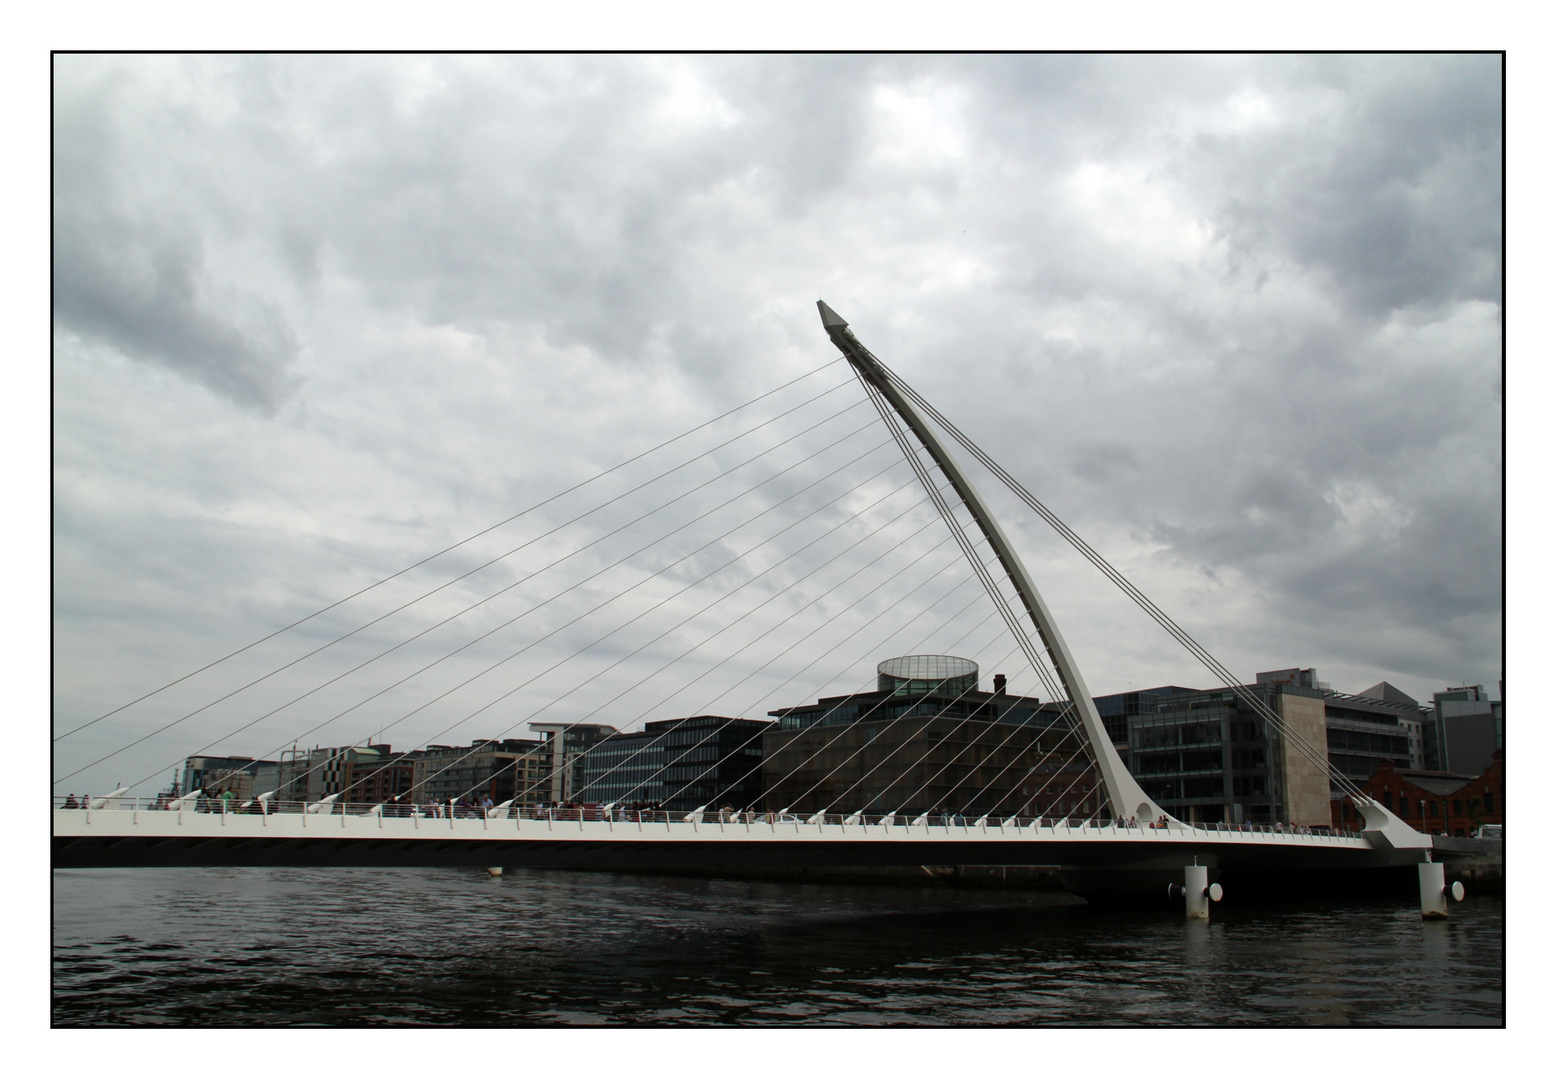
830,318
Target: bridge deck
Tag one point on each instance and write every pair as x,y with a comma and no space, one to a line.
168,838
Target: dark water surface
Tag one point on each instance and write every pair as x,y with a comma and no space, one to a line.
355,947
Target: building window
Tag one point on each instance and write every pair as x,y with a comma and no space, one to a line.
1490,808
1456,806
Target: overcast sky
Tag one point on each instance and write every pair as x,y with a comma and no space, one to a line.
1237,320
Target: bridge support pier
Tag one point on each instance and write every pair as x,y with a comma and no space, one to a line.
1197,901
1435,896
1198,894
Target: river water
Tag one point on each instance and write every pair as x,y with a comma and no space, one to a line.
458,947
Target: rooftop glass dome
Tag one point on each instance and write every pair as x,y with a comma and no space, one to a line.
927,675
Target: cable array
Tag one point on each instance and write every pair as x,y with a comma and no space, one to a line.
1229,680
768,580
455,546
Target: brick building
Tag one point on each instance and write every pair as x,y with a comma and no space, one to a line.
499,769
1450,804
381,779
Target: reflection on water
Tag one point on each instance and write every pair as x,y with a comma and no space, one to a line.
278,946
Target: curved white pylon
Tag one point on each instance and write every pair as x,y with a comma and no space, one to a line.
1124,793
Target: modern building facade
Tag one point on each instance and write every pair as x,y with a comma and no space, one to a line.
679,765
1361,730
502,769
1204,755
1207,756
565,744
1414,717
377,777
622,769
928,740
312,774
235,773
1468,729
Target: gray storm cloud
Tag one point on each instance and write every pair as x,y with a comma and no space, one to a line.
130,261
1237,319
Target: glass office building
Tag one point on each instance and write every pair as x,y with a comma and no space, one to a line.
678,765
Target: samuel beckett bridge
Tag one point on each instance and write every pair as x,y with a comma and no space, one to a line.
777,553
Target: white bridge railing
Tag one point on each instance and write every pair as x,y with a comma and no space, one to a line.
94,807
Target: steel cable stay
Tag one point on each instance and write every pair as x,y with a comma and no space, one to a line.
575,723
1039,660
515,584
1015,726
1002,606
845,729
755,705
1124,790
1080,774
724,629
1046,676
612,599
854,662
467,609
598,607
938,498
976,562
662,602
1070,730
718,632
1064,767
997,595
879,615
772,661
477,535
931,779
986,618
603,604
796,734
706,672
1229,680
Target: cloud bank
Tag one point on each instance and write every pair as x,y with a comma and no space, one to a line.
1238,320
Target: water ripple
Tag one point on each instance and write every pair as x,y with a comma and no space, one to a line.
379,947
